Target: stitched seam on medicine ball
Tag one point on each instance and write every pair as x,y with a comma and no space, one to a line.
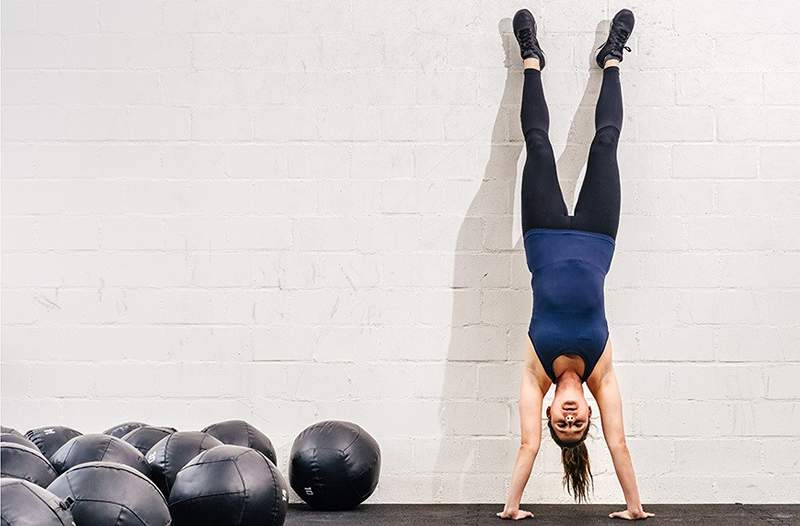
121,509
68,454
47,464
204,462
358,435
35,454
69,485
240,455
121,505
165,459
201,497
275,486
108,445
127,469
244,486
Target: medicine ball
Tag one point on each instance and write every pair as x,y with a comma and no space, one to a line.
145,437
173,452
96,448
240,433
4,429
111,494
49,439
229,486
16,438
334,465
121,430
26,504
22,462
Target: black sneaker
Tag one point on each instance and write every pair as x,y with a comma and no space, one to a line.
525,31
621,29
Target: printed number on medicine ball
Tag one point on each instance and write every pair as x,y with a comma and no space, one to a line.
23,462
229,486
49,439
121,430
106,493
334,465
96,448
26,504
145,437
18,439
173,452
240,433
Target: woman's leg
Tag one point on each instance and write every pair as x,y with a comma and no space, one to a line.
597,209
542,203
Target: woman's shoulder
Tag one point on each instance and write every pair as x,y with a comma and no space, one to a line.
533,366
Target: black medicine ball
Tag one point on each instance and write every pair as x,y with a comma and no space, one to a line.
240,433
121,430
96,448
334,465
16,438
230,486
25,463
49,439
145,437
4,429
110,494
26,504
173,452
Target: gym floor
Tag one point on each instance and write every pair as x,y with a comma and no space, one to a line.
483,514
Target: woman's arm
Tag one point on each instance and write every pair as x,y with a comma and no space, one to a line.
530,417
610,403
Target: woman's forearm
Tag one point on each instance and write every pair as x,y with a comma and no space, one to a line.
522,472
626,475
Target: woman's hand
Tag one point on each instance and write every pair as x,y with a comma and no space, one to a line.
515,515
631,515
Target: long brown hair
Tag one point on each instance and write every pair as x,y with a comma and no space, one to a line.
577,471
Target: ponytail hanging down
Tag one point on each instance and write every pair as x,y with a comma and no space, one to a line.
577,470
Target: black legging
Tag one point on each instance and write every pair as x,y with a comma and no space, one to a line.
597,209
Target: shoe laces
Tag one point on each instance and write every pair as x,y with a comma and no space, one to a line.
617,39
526,38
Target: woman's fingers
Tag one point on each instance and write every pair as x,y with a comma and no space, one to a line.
627,515
520,514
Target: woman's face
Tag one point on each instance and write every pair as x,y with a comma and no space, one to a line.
569,415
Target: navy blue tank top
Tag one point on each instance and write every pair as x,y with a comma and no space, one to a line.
568,270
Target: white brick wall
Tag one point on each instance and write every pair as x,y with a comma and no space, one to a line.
290,211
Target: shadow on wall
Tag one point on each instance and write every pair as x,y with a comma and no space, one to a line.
492,302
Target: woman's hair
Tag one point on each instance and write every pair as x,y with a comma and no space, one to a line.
577,470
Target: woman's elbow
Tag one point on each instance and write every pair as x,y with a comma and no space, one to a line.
528,447
618,445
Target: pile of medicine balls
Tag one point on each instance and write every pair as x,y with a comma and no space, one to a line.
142,475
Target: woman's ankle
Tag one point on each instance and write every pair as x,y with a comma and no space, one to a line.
531,63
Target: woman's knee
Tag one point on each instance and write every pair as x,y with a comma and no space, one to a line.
606,138
537,141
